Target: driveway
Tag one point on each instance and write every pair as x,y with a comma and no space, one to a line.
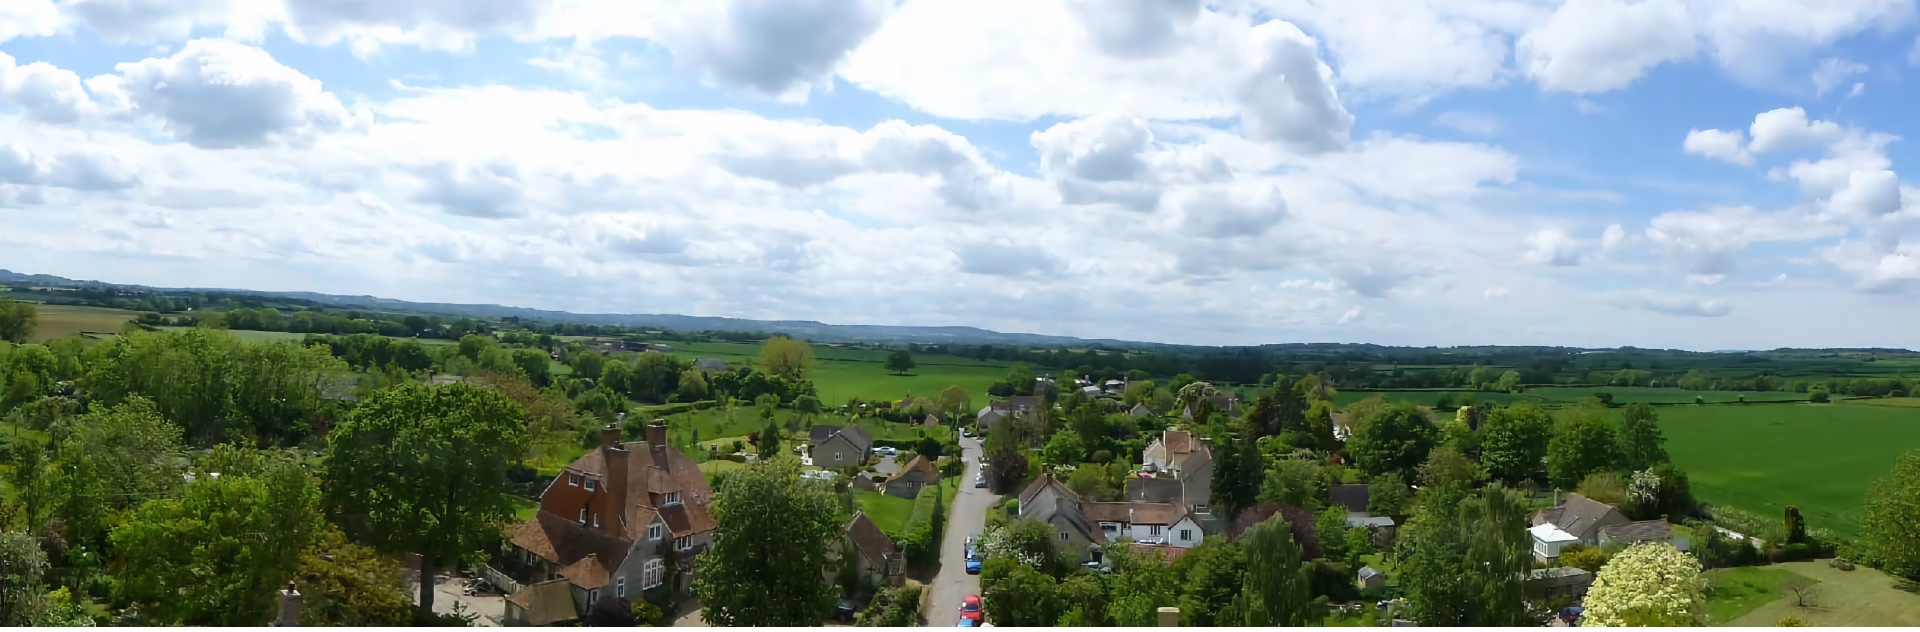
888,465
967,516
491,607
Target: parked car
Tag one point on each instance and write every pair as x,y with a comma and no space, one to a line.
1572,614
980,480
886,451
970,608
966,623
973,563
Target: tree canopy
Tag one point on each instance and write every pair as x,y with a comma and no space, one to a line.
1647,585
899,362
772,534
1394,439
786,358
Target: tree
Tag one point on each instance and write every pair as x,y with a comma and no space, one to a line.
1513,441
772,535
1006,467
1640,438
1237,472
1647,585
17,321
1331,527
786,358
693,386
1277,589
1447,466
203,559
1197,397
1582,444
1590,559
900,362
1065,448
1395,439
1603,487
1804,593
954,401
22,566
653,376
587,364
1818,395
1388,495
110,460
424,469
1509,382
1022,597
1893,507
1293,482
345,584
768,442
1211,576
618,377
1464,558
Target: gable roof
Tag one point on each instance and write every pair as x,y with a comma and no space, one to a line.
1155,513
918,464
590,572
1069,510
859,435
1105,512
1140,410
1017,402
1353,497
1642,531
854,434
1045,481
1368,572
545,603
1578,515
652,474
867,537
1154,490
819,434
1177,441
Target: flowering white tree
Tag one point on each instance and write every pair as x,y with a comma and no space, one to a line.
1647,585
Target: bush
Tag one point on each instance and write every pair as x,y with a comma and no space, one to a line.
920,538
1797,551
1789,621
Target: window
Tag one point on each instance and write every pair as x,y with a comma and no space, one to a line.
574,479
593,595
651,574
620,587
591,484
596,520
1200,508
1063,536
673,498
1153,530
583,515
1186,534
682,544
653,532
837,456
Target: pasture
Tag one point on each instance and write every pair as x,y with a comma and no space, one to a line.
1860,597
1762,457
1565,395
60,321
1734,592
841,373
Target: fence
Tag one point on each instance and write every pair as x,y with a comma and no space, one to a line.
500,580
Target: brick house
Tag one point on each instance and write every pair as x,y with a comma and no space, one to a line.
610,527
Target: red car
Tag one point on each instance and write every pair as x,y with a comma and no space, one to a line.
970,608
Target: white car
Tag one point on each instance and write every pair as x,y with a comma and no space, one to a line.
886,451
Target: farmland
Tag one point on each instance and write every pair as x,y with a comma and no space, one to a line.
60,321
1562,395
844,372
1761,458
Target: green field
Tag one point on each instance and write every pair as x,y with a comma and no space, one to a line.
1858,598
890,513
844,372
60,321
1561,395
1761,458
251,336
1734,592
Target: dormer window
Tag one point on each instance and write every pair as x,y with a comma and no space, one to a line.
673,498
574,479
592,484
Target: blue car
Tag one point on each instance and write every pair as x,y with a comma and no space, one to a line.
966,623
973,566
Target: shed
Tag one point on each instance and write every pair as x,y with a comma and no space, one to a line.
1369,577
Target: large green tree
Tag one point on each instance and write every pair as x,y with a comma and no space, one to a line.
1893,507
1582,444
1278,590
1513,442
1647,585
1395,439
423,469
787,358
772,534
17,321
1017,595
1237,471
1211,576
22,568
346,584
1464,558
212,556
110,460
900,362
1639,439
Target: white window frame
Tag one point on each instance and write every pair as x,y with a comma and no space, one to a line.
573,480
1153,529
652,574
683,543
592,484
839,456
673,498
620,587
596,520
593,595
583,515
1063,536
653,532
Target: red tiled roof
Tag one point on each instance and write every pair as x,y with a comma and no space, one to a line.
589,573
1178,441
868,538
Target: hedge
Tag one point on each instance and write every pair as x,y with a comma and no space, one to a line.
920,538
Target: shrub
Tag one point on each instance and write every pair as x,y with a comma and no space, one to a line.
1789,621
1798,551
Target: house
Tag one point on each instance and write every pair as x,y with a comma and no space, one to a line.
1561,581
1017,406
878,561
1187,459
1049,502
1167,524
1155,490
656,348
1166,452
864,482
1224,403
1642,531
619,523
443,380
710,365
1369,578
837,447
1577,519
917,474
932,421
1352,497
1115,387
1140,410
1380,527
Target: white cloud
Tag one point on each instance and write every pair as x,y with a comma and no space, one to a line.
1757,41
218,94
1787,129
1719,144
28,18
1834,72
1438,45
1603,45
1710,241
778,48
1468,122
1553,247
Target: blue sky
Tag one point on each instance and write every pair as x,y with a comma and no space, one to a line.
1701,174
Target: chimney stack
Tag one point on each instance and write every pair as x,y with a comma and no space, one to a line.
610,436
289,608
657,432
1169,617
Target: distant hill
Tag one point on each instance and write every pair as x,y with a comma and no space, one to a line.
807,329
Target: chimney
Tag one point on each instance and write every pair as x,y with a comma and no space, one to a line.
289,608
657,442
1169,617
618,461
610,436
1556,497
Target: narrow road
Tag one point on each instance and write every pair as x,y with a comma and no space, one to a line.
967,516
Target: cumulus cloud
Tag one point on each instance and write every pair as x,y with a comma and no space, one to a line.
83,170
219,94
1101,160
1291,100
1593,46
1553,247
46,92
484,192
1729,146
1136,28
1788,129
1709,241
778,48
1438,45
1215,213
1006,258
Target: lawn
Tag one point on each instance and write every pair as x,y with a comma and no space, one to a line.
1860,597
1734,592
1761,458
890,513
1380,562
844,372
717,423
60,321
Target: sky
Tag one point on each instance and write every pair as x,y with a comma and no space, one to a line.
1694,174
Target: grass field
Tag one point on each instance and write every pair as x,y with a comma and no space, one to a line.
1561,395
843,372
1860,597
60,321
716,423
1734,592
890,513
1761,458
251,336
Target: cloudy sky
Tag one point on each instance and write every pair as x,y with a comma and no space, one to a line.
1702,174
